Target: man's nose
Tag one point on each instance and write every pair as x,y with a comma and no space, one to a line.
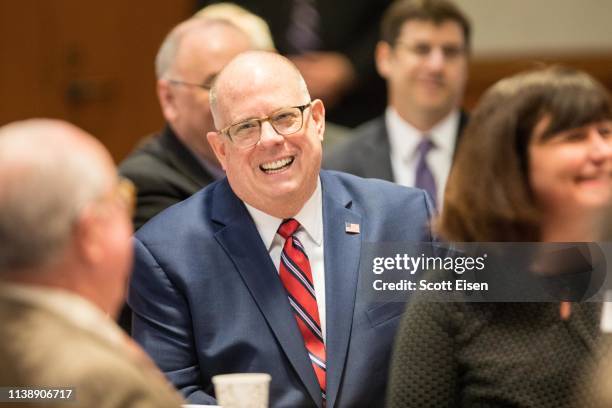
269,136
435,59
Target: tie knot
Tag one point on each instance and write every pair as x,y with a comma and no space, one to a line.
425,145
288,228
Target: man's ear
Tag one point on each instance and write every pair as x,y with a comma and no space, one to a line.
88,236
318,115
382,56
218,144
166,97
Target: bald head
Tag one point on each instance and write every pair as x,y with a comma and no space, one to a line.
48,170
250,72
211,34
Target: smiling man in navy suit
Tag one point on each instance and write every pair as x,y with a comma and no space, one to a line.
258,272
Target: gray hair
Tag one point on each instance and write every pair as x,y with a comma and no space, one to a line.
254,26
45,182
166,55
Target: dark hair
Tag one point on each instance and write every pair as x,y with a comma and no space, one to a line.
437,11
488,196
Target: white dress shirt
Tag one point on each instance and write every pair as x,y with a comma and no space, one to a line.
310,235
404,140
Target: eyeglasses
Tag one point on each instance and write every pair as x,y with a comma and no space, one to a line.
207,85
422,50
126,193
123,193
284,121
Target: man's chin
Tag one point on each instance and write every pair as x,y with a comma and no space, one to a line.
283,189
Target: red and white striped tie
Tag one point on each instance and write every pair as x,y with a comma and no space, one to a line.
296,275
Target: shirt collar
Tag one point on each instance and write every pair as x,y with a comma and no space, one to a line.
310,218
404,138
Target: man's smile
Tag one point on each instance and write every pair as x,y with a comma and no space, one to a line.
277,166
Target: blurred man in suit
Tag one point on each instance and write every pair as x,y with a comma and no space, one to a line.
177,162
423,55
64,262
258,272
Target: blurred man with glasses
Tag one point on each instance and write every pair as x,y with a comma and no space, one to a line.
175,163
258,272
423,55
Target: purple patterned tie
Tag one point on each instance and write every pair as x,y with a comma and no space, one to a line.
303,31
424,178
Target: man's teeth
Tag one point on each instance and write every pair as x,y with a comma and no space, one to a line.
276,165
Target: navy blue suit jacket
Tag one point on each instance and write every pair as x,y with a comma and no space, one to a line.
207,298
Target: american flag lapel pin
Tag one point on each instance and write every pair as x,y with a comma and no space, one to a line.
351,228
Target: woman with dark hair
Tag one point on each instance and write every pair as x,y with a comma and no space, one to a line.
535,164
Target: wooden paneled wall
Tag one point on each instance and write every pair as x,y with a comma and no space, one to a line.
94,66
486,71
88,63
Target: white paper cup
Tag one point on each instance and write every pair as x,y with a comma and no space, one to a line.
199,406
249,390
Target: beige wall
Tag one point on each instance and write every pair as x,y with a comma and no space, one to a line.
540,27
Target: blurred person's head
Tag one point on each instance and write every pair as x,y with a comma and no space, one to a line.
188,61
64,221
423,56
535,162
254,26
272,165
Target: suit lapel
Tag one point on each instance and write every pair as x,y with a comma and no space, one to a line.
342,252
241,241
377,154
